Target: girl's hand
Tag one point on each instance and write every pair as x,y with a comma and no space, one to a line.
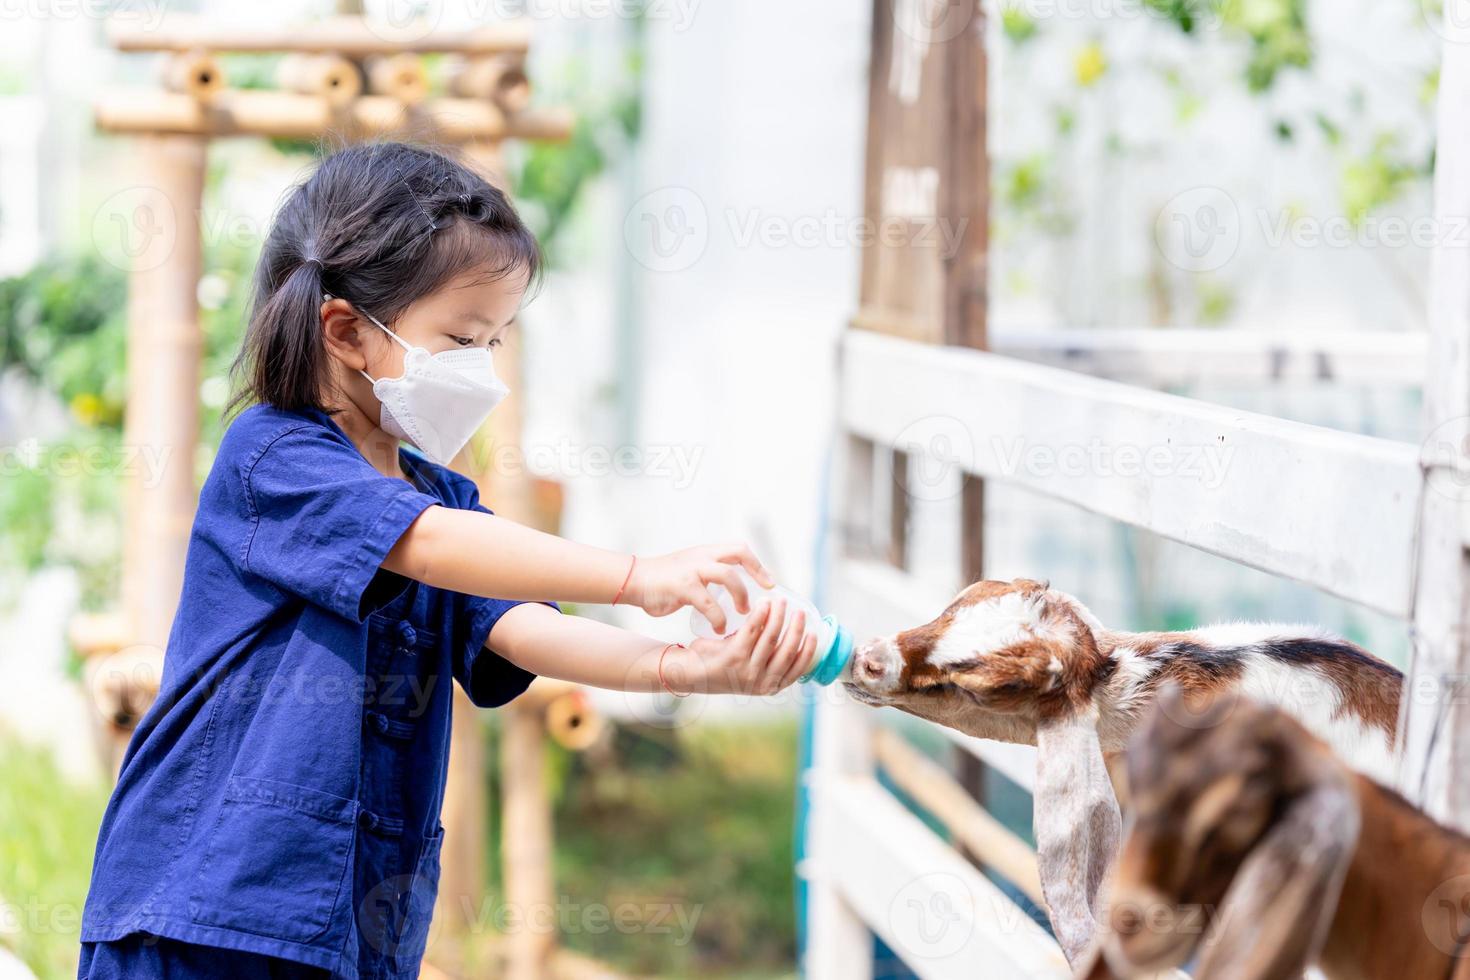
670,582
756,659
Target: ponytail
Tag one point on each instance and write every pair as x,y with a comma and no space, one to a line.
283,356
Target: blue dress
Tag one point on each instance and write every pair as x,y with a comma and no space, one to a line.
282,796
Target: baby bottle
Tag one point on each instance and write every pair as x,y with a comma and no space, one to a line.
834,644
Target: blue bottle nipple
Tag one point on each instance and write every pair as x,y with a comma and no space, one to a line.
832,661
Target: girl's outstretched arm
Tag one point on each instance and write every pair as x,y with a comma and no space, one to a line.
756,659
480,554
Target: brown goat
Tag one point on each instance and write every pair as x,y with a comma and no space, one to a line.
1021,662
1253,847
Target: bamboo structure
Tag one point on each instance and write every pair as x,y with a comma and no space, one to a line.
164,350
293,115
352,37
196,74
503,80
321,93
328,76
398,76
526,841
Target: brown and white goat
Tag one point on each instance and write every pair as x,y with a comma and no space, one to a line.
1020,662
1255,848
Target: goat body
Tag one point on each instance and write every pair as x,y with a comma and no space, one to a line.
1405,904
1297,859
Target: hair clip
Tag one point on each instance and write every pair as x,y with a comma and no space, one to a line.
408,187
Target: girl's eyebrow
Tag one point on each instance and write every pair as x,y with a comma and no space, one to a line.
485,320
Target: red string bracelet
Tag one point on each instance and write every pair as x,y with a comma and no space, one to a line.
626,579
663,683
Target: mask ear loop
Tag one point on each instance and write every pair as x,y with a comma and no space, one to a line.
379,324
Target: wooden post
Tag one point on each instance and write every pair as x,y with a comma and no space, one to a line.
164,348
462,882
1434,717
964,200
526,842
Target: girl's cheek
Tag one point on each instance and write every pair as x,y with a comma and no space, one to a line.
389,364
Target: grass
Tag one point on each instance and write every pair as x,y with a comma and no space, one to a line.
687,835
48,829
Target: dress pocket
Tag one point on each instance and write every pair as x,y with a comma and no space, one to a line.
422,891
276,861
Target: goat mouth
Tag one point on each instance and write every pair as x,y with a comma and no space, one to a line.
901,697
863,695
1154,953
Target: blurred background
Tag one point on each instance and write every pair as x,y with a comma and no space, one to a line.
704,223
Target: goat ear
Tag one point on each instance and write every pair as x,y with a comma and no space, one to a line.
1093,965
1276,912
1077,825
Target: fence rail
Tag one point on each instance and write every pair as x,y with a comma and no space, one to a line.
1336,510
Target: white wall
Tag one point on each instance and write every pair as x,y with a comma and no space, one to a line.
754,127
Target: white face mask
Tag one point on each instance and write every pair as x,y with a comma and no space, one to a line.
441,399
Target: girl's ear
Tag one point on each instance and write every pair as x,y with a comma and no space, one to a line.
1077,825
342,333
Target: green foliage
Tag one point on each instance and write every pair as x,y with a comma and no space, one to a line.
64,324
59,506
698,820
1278,35
1275,29
1377,178
48,830
552,176
1018,24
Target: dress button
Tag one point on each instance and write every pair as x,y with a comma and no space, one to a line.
406,633
367,820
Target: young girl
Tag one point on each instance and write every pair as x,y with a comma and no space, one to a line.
277,813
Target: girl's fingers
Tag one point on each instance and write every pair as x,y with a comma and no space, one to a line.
790,645
755,623
740,554
803,661
701,599
727,576
766,646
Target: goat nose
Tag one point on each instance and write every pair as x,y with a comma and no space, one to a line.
873,664
1139,909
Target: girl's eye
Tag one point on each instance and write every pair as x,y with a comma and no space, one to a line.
463,341
495,342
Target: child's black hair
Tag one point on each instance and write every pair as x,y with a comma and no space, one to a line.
380,225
